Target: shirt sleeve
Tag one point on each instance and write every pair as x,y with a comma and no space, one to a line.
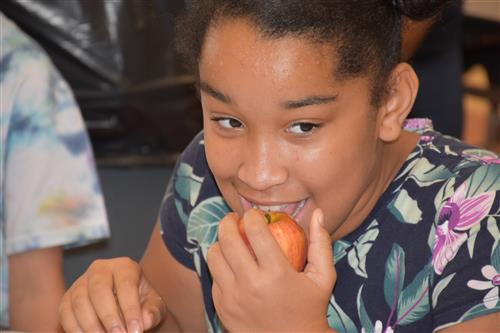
178,203
192,208
52,191
173,228
467,251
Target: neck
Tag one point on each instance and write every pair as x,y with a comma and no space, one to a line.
392,157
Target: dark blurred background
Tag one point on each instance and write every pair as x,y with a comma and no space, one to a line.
141,108
119,58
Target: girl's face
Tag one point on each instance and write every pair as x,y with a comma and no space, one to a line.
281,133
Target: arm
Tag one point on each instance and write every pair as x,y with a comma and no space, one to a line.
36,285
487,323
119,294
178,286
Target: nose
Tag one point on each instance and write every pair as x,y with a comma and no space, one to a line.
263,166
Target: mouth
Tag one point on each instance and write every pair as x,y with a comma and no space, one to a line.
291,208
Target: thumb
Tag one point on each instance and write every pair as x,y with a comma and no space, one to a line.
320,267
154,309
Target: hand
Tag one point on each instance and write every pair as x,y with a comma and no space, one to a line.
111,296
267,294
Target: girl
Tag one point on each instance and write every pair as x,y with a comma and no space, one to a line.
304,105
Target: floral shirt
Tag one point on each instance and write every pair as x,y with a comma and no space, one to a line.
425,258
49,190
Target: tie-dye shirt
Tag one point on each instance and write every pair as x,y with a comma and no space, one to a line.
49,190
426,257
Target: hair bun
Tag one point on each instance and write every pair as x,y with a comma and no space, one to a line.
419,9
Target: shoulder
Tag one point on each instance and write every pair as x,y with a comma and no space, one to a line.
434,171
20,54
462,171
439,160
191,184
191,171
192,207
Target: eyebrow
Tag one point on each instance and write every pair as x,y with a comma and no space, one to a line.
204,86
308,101
293,104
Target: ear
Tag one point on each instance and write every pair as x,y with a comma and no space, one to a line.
402,90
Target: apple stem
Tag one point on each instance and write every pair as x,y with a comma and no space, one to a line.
268,217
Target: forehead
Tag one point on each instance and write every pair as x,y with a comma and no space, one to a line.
239,43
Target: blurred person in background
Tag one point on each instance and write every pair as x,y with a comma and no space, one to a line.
50,196
434,49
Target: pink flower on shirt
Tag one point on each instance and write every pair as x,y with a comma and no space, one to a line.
457,216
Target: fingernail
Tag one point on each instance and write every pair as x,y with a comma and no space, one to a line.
147,318
134,327
320,219
117,329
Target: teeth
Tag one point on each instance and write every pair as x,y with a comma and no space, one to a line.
282,208
298,208
276,208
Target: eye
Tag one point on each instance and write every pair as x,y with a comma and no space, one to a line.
227,122
302,128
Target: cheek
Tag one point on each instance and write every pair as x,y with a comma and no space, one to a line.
336,174
223,158
215,152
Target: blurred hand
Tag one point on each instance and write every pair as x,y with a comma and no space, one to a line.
111,296
268,294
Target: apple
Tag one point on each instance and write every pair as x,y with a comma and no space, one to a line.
290,237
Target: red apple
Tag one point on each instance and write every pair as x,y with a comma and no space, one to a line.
289,235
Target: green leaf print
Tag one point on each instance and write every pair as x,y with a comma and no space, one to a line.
414,301
485,179
444,193
394,275
365,320
356,256
431,240
440,286
405,208
187,184
478,310
478,152
448,151
204,220
180,211
471,240
492,226
338,319
410,165
339,250
426,173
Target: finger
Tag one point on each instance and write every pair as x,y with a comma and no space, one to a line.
100,289
221,273
216,296
265,247
153,306
126,284
236,253
83,310
320,267
66,317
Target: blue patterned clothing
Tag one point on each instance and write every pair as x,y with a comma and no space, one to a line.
49,191
426,257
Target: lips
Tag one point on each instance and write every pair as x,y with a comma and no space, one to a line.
291,208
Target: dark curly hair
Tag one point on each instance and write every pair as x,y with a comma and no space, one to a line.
366,34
